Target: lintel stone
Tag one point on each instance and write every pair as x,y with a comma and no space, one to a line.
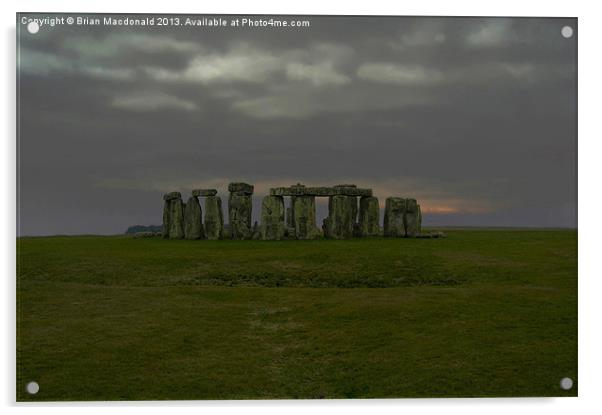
240,187
204,192
339,190
172,196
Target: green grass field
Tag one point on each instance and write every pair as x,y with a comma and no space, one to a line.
483,313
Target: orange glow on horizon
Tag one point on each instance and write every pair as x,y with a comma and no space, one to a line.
439,209
447,207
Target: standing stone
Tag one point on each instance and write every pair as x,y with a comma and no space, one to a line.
193,227
304,217
289,232
352,200
256,232
176,219
272,218
169,198
166,209
289,217
340,221
292,213
412,218
369,217
239,210
214,218
394,217
353,211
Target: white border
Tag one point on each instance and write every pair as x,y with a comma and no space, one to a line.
590,203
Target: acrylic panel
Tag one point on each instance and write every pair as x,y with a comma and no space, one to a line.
295,207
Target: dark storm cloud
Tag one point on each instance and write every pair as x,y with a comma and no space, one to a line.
474,117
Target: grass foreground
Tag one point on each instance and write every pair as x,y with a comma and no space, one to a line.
481,313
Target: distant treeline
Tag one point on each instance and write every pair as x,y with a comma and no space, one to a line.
142,228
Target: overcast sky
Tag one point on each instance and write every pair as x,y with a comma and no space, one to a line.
474,117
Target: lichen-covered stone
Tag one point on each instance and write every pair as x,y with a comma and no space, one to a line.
292,213
352,200
176,219
172,196
403,217
214,218
204,192
369,217
393,225
301,190
357,230
166,214
193,226
239,211
227,232
240,187
304,217
412,218
289,217
272,218
289,233
340,220
256,231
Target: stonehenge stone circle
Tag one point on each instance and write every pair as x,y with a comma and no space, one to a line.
239,210
272,218
402,217
193,227
214,218
369,216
